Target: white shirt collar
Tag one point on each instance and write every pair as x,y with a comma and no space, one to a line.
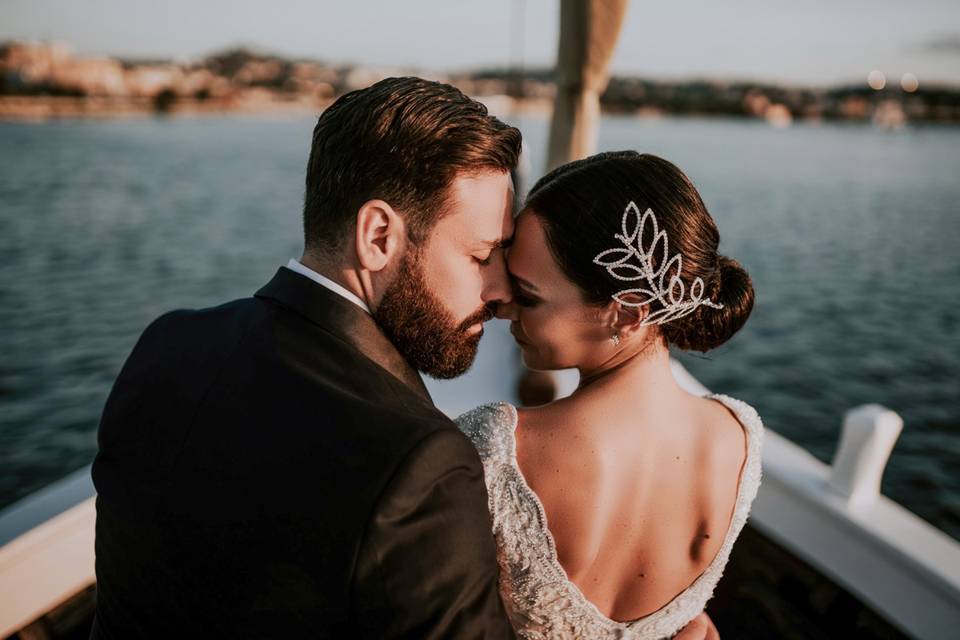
296,265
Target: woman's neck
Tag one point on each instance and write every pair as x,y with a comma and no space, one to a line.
645,372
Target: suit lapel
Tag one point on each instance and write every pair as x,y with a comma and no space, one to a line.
344,319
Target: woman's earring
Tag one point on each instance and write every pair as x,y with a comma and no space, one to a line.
616,339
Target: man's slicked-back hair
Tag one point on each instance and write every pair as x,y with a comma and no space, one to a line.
403,141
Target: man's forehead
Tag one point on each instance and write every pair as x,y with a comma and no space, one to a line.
484,204
503,240
509,228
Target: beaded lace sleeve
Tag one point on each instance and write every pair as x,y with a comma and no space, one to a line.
541,601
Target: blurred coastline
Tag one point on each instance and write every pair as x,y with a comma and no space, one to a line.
40,81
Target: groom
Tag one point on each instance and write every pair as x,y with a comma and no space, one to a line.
274,466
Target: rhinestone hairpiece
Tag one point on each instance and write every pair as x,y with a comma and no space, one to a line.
616,262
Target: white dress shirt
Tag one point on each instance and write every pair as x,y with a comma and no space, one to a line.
296,265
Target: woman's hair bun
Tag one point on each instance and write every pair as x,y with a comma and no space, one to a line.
708,328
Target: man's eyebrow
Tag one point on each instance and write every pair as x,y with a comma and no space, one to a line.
502,243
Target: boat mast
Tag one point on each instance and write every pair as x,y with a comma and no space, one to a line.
588,36
589,30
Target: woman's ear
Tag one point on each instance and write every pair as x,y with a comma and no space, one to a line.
381,235
625,319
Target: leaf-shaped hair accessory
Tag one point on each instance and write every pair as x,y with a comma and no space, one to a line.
662,284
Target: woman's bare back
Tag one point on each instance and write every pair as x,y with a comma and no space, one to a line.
638,507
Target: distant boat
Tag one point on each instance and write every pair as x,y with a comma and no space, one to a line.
889,114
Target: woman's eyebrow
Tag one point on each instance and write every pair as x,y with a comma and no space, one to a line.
526,284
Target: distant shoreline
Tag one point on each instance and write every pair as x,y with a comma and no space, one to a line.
39,109
41,81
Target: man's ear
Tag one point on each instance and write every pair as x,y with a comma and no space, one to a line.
381,235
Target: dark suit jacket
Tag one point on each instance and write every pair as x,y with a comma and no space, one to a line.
273,467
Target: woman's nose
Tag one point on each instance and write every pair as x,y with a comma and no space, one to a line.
506,310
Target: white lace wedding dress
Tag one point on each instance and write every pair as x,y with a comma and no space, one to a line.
541,601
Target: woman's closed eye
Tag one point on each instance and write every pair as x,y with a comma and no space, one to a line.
524,300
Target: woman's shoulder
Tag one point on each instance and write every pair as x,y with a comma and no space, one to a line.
490,428
747,417
752,430
744,412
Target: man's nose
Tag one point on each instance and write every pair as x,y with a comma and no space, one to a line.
497,288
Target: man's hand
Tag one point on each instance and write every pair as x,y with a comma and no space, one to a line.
700,628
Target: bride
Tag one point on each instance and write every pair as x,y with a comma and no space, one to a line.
615,509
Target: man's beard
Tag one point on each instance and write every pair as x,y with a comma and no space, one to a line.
422,328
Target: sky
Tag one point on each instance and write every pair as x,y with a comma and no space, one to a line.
818,43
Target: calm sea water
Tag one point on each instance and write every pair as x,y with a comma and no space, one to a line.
851,235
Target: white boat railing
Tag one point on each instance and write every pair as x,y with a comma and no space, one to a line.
834,518
831,516
46,550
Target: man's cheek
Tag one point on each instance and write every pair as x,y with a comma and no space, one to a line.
452,282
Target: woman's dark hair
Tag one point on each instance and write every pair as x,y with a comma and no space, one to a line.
581,206
401,140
